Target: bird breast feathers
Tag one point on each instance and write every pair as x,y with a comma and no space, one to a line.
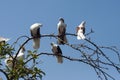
80,31
61,24
54,49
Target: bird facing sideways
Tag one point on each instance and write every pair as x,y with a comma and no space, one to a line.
35,33
20,56
80,30
57,51
61,26
3,40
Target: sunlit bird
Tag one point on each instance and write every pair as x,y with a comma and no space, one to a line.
3,40
61,26
81,31
20,57
35,33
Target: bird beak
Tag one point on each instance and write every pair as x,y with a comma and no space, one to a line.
41,25
52,43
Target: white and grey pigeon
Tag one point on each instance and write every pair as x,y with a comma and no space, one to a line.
57,51
20,56
35,33
61,26
81,31
3,40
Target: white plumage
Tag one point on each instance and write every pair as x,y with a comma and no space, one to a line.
20,56
81,31
57,51
8,62
61,26
35,33
3,40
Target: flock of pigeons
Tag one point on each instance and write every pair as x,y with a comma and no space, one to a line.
35,33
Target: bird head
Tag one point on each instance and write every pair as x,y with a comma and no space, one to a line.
52,43
4,39
61,19
38,24
8,62
23,49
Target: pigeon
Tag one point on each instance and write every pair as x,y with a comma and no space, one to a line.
61,26
35,33
57,51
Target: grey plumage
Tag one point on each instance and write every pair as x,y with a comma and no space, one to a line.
61,26
57,51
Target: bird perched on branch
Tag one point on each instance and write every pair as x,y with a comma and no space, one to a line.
61,26
20,56
57,51
35,33
3,40
81,31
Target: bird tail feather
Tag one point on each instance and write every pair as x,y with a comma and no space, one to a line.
62,39
36,43
65,39
59,59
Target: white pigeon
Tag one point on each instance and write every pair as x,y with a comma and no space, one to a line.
57,51
35,33
8,62
3,40
20,56
61,26
81,31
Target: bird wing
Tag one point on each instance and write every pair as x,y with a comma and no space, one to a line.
59,50
38,32
83,30
61,30
54,49
4,39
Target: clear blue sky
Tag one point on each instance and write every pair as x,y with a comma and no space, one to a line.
103,16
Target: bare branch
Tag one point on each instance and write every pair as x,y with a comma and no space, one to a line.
93,59
14,59
98,69
4,74
95,63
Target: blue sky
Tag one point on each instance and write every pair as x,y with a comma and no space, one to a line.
103,16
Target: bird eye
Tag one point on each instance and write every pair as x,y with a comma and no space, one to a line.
82,28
